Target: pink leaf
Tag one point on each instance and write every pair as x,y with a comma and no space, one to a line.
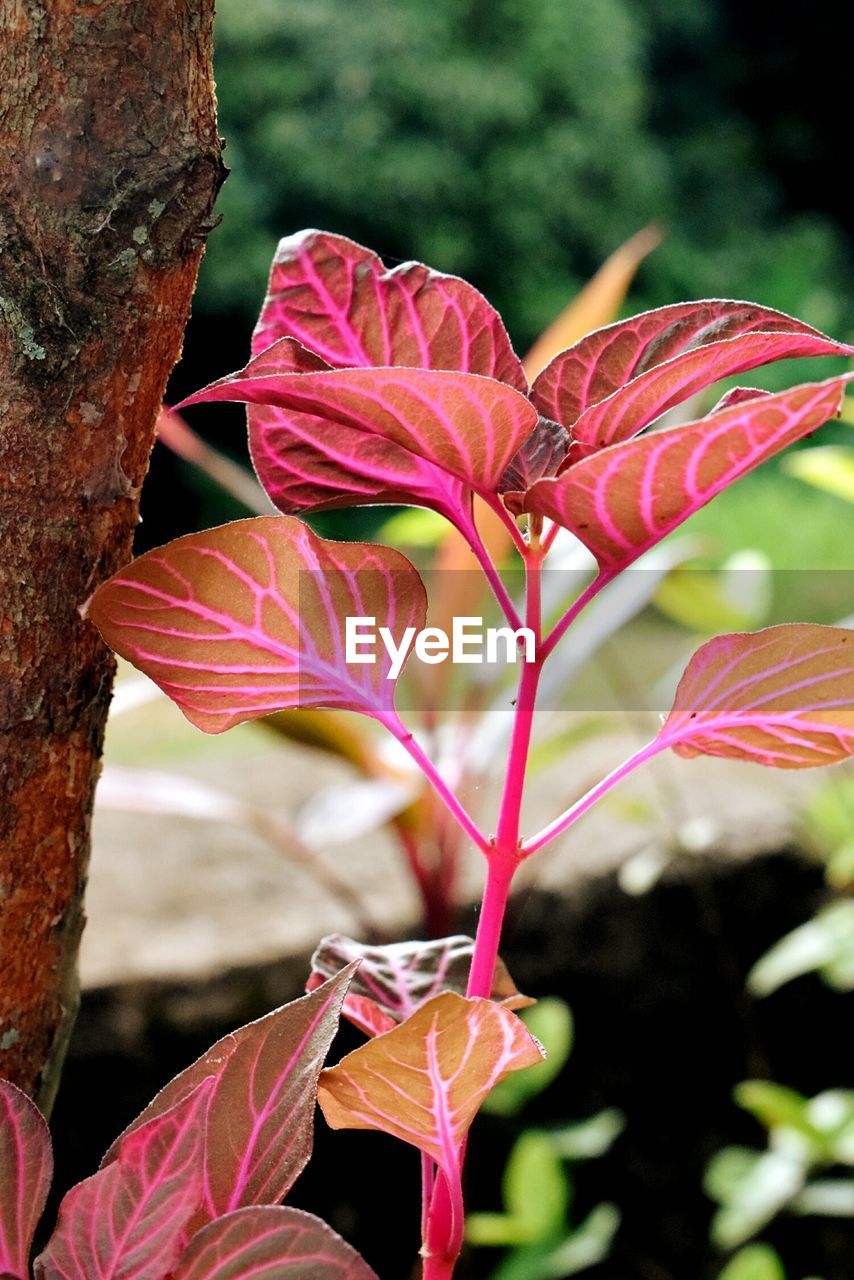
393,981
260,1120
626,498
467,425
626,412
26,1169
608,359
339,300
128,1221
782,697
425,1080
307,464
249,618
265,1243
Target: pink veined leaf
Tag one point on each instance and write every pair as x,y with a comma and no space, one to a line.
26,1169
393,981
129,1220
424,1081
260,1121
633,407
782,697
626,498
465,424
267,1243
608,359
307,464
249,618
339,300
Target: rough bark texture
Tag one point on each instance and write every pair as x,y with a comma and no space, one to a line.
110,167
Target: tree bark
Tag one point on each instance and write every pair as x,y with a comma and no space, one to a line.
110,167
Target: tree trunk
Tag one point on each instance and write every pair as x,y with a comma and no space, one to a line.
111,164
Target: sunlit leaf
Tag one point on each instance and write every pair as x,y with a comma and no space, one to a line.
339,300
267,1242
628,497
782,697
249,618
393,981
597,304
131,1218
26,1169
261,1115
604,361
425,1080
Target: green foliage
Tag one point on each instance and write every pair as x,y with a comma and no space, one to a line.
805,1136
550,1022
754,1262
511,143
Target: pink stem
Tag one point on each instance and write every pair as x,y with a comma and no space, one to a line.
574,812
563,624
472,535
499,876
454,806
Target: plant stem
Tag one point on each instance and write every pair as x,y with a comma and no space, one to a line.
499,876
493,577
575,811
563,624
454,806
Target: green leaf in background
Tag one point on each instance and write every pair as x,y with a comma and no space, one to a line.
776,1107
755,1262
414,527
584,1246
823,945
736,597
536,1198
829,829
550,1022
588,1139
829,467
827,1198
750,1188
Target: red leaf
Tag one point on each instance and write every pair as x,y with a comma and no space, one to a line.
782,697
425,1080
339,300
128,1221
248,618
393,981
26,1169
265,1243
626,498
626,412
261,1116
606,360
307,464
467,425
